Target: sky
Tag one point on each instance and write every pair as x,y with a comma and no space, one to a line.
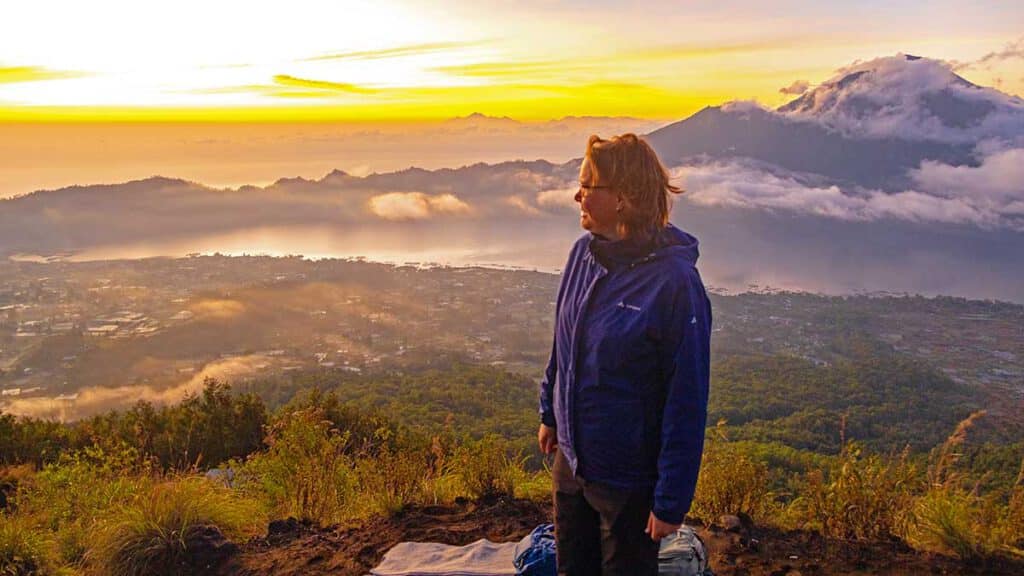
229,93
405,60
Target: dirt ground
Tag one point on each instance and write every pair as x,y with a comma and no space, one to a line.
292,548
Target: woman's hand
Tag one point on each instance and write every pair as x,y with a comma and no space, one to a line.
658,529
547,439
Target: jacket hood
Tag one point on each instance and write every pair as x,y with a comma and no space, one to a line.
674,241
670,242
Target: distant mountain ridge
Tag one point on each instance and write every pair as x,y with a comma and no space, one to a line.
725,132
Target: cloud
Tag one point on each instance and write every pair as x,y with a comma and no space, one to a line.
530,68
292,87
396,51
998,181
415,205
212,309
519,203
989,196
360,171
18,74
558,198
448,204
741,106
285,80
796,88
584,67
1012,51
98,399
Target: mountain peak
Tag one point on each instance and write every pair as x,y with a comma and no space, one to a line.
335,175
909,97
296,181
479,118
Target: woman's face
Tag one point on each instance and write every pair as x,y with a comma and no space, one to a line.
598,205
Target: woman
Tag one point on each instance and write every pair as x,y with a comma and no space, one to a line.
623,401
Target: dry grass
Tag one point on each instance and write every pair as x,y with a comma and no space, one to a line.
306,471
488,468
951,517
67,497
946,520
391,481
731,482
861,498
23,549
152,535
1012,530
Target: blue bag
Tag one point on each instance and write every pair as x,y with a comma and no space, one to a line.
535,553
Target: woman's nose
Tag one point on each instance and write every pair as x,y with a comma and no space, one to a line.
578,197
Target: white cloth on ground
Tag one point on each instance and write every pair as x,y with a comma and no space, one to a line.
481,558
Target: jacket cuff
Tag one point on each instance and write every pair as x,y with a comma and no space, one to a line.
548,419
670,516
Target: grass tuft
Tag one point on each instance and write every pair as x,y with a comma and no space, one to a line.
306,472
22,547
489,469
730,482
156,534
944,520
391,480
862,498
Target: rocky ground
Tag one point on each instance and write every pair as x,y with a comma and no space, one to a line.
292,548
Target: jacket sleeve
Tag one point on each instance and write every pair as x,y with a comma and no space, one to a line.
547,383
687,373
547,411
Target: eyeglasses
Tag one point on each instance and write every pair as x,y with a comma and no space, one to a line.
588,188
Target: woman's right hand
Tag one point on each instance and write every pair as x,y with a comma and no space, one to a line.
547,439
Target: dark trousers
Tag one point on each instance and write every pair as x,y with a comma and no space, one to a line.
599,531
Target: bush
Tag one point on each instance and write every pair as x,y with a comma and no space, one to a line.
306,472
951,517
441,483
391,480
947,520
487,470
1011,532
535,486
22,547
730,482
863,497
58,499
155,533
367,430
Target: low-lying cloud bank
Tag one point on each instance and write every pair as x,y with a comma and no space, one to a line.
415,205
99,399
989,196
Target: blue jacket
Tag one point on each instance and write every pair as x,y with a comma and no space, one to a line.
627,383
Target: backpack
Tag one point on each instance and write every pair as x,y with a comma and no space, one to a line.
535,553
683,554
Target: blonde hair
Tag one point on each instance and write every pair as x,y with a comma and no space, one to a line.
629,164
